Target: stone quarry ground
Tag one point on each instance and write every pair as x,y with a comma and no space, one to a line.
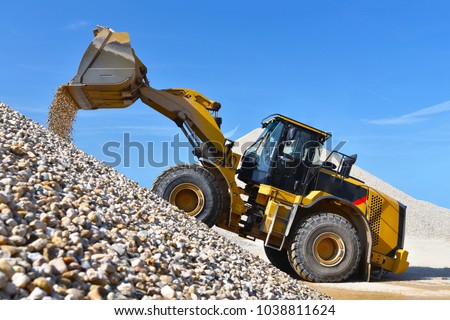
428,276
72,228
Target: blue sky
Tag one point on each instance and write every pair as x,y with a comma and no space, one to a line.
374,73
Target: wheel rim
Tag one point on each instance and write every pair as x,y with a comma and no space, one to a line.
329,249
187,197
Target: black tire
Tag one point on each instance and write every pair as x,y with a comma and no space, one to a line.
280,260
325,248
223,188
183,178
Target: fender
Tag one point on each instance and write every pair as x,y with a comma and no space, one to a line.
354,214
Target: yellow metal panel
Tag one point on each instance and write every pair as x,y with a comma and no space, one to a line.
282,212
384,221
383,261
269,213
312,196
265,189
400,261
395,265
279,194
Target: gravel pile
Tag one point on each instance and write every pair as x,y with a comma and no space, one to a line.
424,220
73,228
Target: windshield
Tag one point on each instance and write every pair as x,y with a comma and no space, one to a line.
262,151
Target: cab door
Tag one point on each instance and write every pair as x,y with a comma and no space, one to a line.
297,158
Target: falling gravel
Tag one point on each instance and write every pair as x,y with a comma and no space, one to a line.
62,113
73,228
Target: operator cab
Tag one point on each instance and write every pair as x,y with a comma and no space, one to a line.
285,156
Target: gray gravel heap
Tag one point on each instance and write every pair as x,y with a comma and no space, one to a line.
73,228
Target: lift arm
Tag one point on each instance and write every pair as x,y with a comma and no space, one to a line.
193,118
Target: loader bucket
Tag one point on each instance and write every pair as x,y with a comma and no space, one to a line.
109,75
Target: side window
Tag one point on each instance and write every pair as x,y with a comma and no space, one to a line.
312,152
302,146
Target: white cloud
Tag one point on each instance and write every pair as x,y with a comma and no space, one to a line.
78,24
414,117
231,133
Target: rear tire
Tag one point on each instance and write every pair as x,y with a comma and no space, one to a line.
325,248
280,260
192,189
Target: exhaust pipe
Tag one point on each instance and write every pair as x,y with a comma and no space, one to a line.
109,74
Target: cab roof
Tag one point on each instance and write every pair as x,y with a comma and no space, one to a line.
273,117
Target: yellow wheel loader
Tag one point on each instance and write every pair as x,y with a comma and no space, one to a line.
316,221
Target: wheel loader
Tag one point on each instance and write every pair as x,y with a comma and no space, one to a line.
316,221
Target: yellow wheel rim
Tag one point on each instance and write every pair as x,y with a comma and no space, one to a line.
329,249
187,197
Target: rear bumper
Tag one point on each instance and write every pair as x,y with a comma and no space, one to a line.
396,265
401,264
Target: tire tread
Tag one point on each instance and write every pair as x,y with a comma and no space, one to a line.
306,226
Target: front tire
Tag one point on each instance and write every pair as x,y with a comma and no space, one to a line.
325,248
192,189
